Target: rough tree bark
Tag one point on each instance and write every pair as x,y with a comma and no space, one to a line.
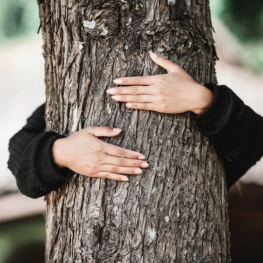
176,211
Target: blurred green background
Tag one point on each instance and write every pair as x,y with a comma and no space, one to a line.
245,20
19,19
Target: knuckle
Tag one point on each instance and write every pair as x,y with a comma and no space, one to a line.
98,147
115,169
136,81
162,99
132,156
160,90
137,164
138,98
164,107
121,162
144,106
134,90
124,81
106,176
118,90
97,159
159,83
121,153
91,168
89,130
162,78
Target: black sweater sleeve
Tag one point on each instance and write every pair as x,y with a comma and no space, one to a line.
30,158
235,130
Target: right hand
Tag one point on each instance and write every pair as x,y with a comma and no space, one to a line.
172,93
85,154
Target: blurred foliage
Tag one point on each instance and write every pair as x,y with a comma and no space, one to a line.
245,20
18,18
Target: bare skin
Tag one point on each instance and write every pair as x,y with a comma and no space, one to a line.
174,92
84,153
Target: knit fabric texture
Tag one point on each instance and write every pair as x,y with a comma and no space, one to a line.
31,159
234,128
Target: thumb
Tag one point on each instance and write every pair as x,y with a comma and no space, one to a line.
164,63
103,131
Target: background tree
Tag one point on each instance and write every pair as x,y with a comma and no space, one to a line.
176,211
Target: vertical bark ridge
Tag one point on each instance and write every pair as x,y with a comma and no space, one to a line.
176,211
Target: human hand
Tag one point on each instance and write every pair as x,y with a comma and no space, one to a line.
175,92
85,154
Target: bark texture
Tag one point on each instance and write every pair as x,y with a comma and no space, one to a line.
176,211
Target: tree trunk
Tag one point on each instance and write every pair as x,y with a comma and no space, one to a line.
176,211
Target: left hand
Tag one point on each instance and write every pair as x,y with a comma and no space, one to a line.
175,92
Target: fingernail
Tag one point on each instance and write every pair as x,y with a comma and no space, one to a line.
145,165
116,97
142,157
125,179
128,105
111,91
138,171
117,130
153,54
117,81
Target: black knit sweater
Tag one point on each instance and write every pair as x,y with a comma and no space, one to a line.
234,129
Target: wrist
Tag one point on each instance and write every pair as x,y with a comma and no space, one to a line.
204,98
58,152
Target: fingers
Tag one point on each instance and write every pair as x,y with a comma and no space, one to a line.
103,131
143,80
125,162
121,152
113,176
143,106
132,90
164,63
121,170
133,98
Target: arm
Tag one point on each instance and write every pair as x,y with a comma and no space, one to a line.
42,161
31,159
235,129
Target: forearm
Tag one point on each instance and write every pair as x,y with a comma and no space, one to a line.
234,129
31,159
43,161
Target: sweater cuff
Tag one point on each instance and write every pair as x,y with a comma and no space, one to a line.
214,118
207,114
50,173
